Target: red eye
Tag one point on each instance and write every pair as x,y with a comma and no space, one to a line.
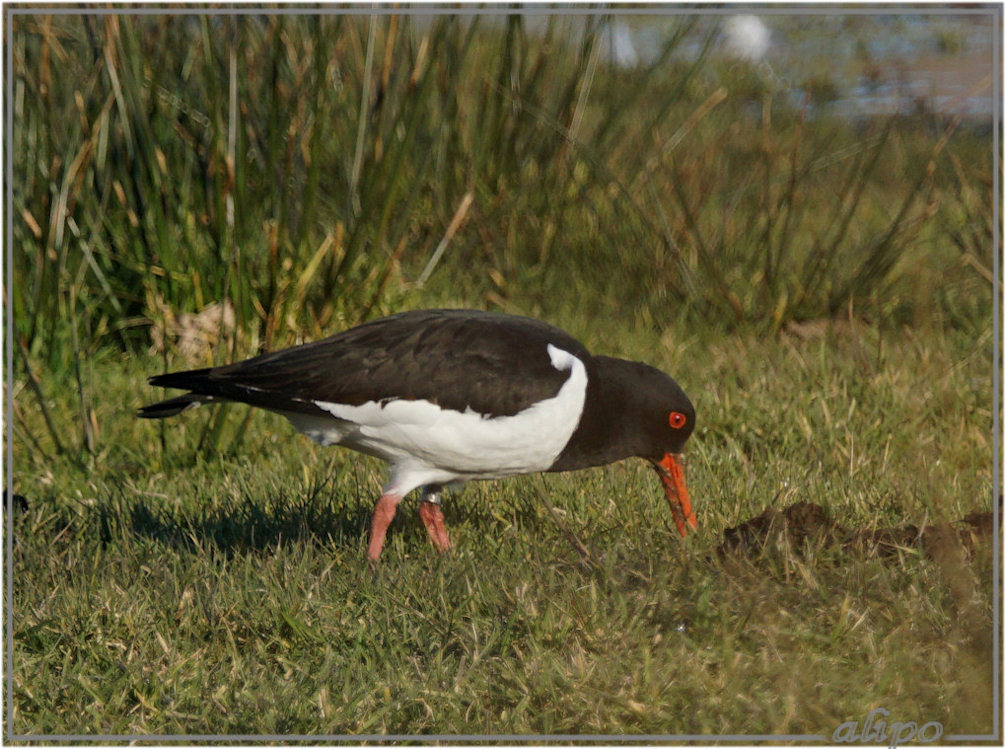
676,420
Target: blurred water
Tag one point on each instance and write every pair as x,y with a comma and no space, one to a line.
855,64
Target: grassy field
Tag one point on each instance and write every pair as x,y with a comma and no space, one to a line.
821,289
167,591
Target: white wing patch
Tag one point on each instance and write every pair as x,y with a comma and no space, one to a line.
427,444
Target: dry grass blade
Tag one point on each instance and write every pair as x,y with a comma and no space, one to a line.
459,217
36,387
364,114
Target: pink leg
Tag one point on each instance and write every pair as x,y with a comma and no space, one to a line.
433,519
384,512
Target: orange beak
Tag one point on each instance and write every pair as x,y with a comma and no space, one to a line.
673,478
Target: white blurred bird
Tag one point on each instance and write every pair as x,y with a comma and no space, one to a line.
747,38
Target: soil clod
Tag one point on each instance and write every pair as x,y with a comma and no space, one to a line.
806,522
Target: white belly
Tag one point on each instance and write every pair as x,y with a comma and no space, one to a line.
425,444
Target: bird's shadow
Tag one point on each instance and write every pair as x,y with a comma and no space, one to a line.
315,515
251,525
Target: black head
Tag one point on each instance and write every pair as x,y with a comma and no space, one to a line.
658,418
655,419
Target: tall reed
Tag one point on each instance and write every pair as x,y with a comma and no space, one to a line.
304,173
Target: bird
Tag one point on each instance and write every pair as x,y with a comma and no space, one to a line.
447,396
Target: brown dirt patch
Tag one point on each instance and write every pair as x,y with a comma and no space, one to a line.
808,522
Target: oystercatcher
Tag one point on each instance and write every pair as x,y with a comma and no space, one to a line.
448,396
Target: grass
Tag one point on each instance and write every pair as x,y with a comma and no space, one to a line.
167,591
821,288
217,159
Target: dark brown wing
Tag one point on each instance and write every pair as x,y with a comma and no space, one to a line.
494,364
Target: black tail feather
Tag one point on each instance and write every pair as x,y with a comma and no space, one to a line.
193,379
172,406
207,385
